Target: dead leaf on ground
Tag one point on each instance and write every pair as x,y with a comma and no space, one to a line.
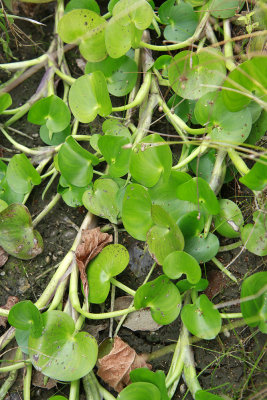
92,242
3,256
140,320
217,282
11,301
39,380
115,367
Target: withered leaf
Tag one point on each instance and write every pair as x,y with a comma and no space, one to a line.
3,256
11,301
115,367
92,242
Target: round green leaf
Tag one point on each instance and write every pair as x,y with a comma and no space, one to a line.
199,192
26,316
5,101
72,195
112,260
183,285
165,10
52,112
178,263
190,74
22,339
149,162
162,62
136,211
165,236
256,178
84,4
202,249
254,236
191,224
8,195
114,127
204,395
86,28
229,220
162,297
57,398
225,8
255,311
156,378
258,129
60,353
17,236
201,318
140,391
182,22
179,106
88,96
101,199
57,138
113,151
203,166
21,175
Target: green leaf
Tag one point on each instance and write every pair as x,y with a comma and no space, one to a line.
191,224
255,310
57,138
57,398
162,297
88,96
229,220
256,178
22,338
149,162
5,101
178,263
17,236
202,249
72,195
21,175
50,111
201,318
165,236
8,195
136,211
113,151
242,81
86,28
120,74
182,22
165,10
114,127
140,391
225,8
199,192
156,378
203,166
84,4
254,236
75,163
60,353
258,129
162,63
179,106
204,395
183,285
190,74
101,199
112,260
26,316
3,205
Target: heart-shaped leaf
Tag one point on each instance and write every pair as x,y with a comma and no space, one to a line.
191,74
75,163
202,249
52,112
86,28
229,220
112,260
82,4
72,195
5,101
117,157
89,96
26,316
149,162
198,191
136,211
183,285
21,175
178,263
165,236
204,395
101,199
17,236
225,9
140,391
255,311
60,353
254,236
191,224
8,195
115,128
162,297
156,378
256,178
57,138
201,318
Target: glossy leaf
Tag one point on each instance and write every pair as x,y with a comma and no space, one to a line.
72,195
50,111
111,261
179,106
225,8
17,236
178,263
57,138
140,391
182,22
5,101
202,249
201,318
82,4
89,96
86,28
204,395
113,151
26,316
157,378
162,297
22,339
136,211
258,129
114,127
203,166
256,178
254,236
191,73
8,195
60,353
191,224
21,175
183,285
101,199
229,220
149,162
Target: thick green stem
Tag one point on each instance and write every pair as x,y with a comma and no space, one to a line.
27,383
19,146
231,246
223,269
11,378
189,367
218,173
122,287
47,209
91,388
238,162
198,151
24,64
74,390
228,47
231,315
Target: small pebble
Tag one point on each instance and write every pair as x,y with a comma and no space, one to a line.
2,273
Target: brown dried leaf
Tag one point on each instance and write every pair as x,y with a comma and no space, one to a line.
92,242
3,256
115,367
11,301
39,380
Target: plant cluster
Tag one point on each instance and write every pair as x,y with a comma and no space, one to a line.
217,108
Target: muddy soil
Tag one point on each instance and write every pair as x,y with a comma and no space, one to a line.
225,363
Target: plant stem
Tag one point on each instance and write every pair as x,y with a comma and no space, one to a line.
228,47
19,146
218,173
163,351
223,269
74,390
91,387
24,64
46,210
231,246
11,378
198,151
231,315
189,367
122,287
15,366
27,383
238,162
